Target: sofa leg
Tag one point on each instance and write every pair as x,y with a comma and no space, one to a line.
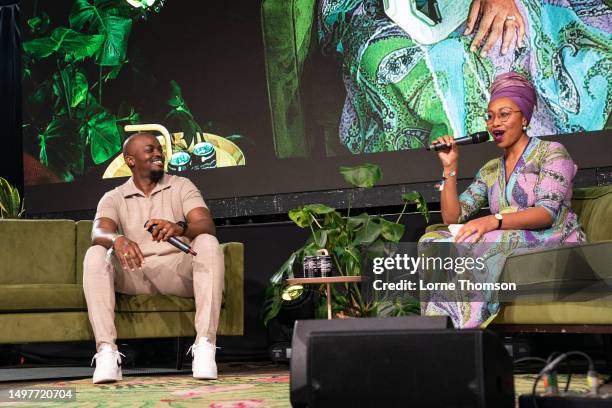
180,352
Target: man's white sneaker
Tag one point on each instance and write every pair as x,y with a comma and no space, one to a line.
108,365
203,366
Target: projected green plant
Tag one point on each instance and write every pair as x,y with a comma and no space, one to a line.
84,57
350,240
11,204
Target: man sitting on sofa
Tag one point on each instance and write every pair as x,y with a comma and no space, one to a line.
126,258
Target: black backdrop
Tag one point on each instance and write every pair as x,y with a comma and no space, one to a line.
11,166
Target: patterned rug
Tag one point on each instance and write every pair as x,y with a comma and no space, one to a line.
268,387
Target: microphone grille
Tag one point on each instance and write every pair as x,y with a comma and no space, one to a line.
480,137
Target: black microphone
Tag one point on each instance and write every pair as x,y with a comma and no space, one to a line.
477,137
175,242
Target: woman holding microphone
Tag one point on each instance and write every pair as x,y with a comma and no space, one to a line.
528,190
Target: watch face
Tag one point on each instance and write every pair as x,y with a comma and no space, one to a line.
498,216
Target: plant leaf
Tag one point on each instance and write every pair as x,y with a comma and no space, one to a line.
414,197
355,222
39,24
376,249
301,217
320,237
286,270
369,233
103,136
72,45
60,150
391,231
318,208
80,89
181,112
272,302
41,93
364,175
84,14
116,32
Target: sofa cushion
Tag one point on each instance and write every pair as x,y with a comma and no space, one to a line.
37,251
593,206
593,312
41,297
153,303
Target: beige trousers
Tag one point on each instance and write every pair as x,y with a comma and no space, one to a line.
174,273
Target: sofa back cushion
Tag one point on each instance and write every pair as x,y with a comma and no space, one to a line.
37,251
593,205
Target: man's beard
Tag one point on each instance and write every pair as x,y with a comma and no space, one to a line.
157,175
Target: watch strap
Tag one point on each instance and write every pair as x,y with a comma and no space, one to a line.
183,225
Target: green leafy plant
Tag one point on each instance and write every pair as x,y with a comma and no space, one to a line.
350,241
83,58
11,204
184,118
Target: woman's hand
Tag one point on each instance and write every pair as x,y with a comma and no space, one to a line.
128,253
448,157
476,228
497,16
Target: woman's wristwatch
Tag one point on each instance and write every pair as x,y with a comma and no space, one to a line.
499,219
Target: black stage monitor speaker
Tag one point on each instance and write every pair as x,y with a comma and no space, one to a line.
398,362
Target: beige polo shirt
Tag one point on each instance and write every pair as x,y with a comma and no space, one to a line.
171,199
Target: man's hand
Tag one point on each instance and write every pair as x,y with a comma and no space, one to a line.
475,229
163,229
128,253
496,17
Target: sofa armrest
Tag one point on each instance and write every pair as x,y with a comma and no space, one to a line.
572,273
231,322
436,227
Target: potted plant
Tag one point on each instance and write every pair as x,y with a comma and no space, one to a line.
350,241
11,204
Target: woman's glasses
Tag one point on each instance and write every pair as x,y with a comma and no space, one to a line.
503,115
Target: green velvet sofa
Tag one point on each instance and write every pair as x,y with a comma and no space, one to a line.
565,289
576,281
41,293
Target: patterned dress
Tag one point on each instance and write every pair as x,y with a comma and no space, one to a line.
541,178
402,95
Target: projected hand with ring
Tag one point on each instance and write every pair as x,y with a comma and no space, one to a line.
497,17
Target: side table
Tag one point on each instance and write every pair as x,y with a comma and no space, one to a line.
328,281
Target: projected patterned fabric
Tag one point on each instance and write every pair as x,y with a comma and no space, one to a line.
401,95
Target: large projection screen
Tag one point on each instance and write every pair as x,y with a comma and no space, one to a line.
269,97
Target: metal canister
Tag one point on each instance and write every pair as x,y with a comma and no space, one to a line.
318,266
204,156
325,265
180,161
310,267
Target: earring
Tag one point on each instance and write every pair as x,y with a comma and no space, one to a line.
525,128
